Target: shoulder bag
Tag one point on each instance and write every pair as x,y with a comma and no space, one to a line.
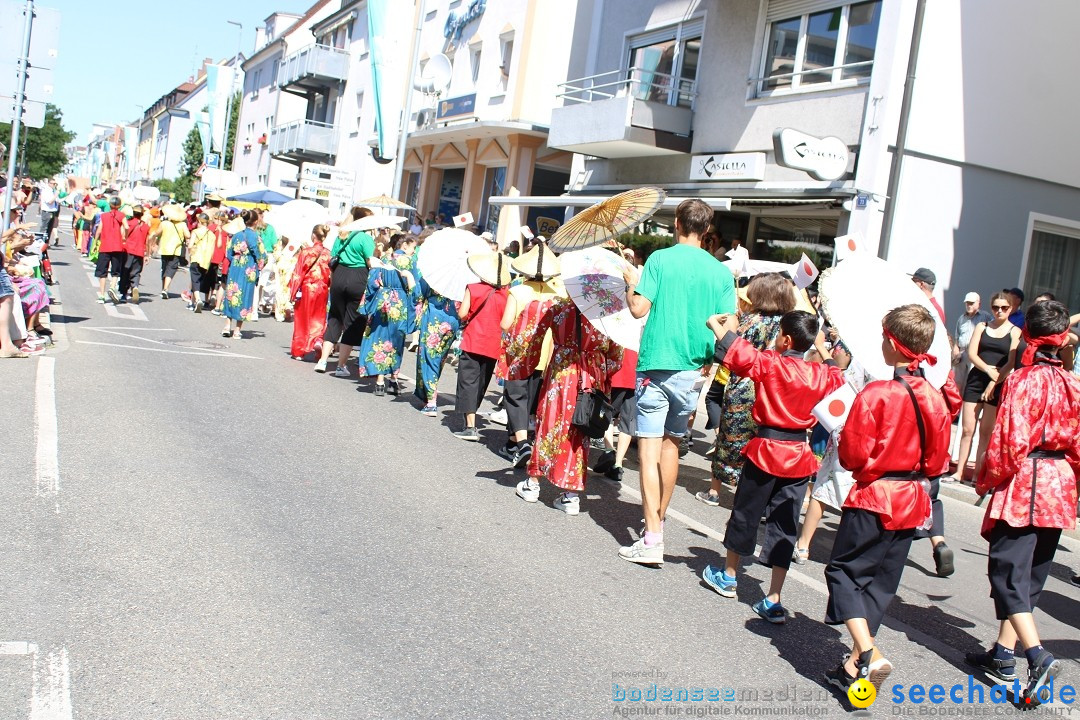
335,260
593,412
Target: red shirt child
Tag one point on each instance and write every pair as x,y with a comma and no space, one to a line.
135,244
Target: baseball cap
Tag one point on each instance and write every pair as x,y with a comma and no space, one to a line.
924,275
971,297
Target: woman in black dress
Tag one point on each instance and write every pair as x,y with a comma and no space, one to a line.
993,355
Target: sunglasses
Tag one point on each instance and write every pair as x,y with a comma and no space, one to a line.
1000,308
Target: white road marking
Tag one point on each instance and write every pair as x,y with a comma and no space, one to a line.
50,694
47,466
207,353
135,313
17,648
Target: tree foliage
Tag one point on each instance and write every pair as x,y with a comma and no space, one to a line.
230,142
45,154
193,153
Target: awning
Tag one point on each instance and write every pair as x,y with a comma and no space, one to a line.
670,203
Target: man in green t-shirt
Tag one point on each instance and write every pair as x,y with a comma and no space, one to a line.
679,289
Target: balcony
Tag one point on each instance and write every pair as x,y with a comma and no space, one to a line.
303,141
314,68
625,113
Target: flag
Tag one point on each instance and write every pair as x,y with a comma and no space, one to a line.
219,86
833,410
848,245
463,220
804,273
202,122
386,20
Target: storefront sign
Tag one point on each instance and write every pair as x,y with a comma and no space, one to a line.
728,166
453,107
547,226
823,158
456,22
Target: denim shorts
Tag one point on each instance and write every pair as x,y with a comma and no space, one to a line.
665,400
6,288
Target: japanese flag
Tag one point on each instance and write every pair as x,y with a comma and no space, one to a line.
526,232
804,273
832,412
848,245
463,220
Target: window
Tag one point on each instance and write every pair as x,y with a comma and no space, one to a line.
474,57
820,48
262,179
507,54
274,74
1054,263
662,65
256,83
359,110
494,184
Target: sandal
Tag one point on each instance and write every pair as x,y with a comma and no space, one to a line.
236,335
226,333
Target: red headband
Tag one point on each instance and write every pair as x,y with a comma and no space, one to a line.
916,359
1034,343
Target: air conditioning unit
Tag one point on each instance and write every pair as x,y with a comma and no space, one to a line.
425,118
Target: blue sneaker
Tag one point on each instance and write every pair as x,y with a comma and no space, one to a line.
716,579
777,615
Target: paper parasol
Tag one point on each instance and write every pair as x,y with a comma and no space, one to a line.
855,296
443,261
594,280
609,219
373,222
384,201
297,219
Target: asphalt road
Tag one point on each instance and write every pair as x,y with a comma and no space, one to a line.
231,535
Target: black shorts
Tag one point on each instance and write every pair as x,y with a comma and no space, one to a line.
522,397
1019,563
761,494
169,265
977,382
208,279
473,376
624,400
109,263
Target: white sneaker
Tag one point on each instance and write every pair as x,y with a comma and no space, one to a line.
498,416
528,491
341,372
569,505
639,553
320,366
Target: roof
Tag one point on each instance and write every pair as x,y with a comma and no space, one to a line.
306,16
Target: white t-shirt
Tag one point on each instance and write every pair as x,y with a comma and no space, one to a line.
50,201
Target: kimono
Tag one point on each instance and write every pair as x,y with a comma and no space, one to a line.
736,424
311,278
439,326
277,285
581,358
245,257
1039,411
390,308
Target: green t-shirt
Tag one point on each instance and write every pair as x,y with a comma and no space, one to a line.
686,286
269,237
356,253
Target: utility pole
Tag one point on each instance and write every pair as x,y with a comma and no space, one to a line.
232,92
403,135
20,96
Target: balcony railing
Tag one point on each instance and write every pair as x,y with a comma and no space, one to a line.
640,83
303,140
315,66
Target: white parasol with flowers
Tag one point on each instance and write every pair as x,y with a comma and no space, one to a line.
594,280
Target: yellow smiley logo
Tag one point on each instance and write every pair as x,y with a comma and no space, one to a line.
861,693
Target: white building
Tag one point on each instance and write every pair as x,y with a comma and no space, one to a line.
266,106
688,95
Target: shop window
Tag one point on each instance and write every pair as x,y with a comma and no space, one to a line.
786,239
494,184
820,48
662,66
1054,263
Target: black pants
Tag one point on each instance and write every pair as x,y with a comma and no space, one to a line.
714,404
1020,561
779,501
473,375
208,280
129,276
864,571
522,397
344,322
937,513
195,273
110,263
169,265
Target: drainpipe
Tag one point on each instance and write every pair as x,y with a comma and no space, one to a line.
901,133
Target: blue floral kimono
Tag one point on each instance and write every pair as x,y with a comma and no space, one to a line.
245,258
390,308
439,327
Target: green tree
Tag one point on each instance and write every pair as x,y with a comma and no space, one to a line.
45,154
183,189
165,186
230,143
193,153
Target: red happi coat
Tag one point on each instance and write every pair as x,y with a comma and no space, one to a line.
881,436
787,388
1039,408
560,450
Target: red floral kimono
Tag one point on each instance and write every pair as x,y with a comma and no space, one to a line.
1039,410
311,278
560,450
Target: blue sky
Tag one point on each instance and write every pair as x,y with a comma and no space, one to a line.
119,56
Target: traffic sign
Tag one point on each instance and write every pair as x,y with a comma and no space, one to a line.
44,38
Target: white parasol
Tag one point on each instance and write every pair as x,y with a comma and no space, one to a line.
443,261
594,280
855,296
296,219
373,222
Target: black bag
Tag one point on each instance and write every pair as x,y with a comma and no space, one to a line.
335,260
593,413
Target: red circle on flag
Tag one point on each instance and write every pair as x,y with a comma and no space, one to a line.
837,407
851,244
808,268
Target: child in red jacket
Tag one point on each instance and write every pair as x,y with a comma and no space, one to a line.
896,436
779,461
1030,471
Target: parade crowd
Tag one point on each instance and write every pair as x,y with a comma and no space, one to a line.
757,352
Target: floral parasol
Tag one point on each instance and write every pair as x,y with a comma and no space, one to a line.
594,280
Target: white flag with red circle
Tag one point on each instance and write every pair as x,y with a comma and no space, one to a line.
804,273
463,220
833,410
